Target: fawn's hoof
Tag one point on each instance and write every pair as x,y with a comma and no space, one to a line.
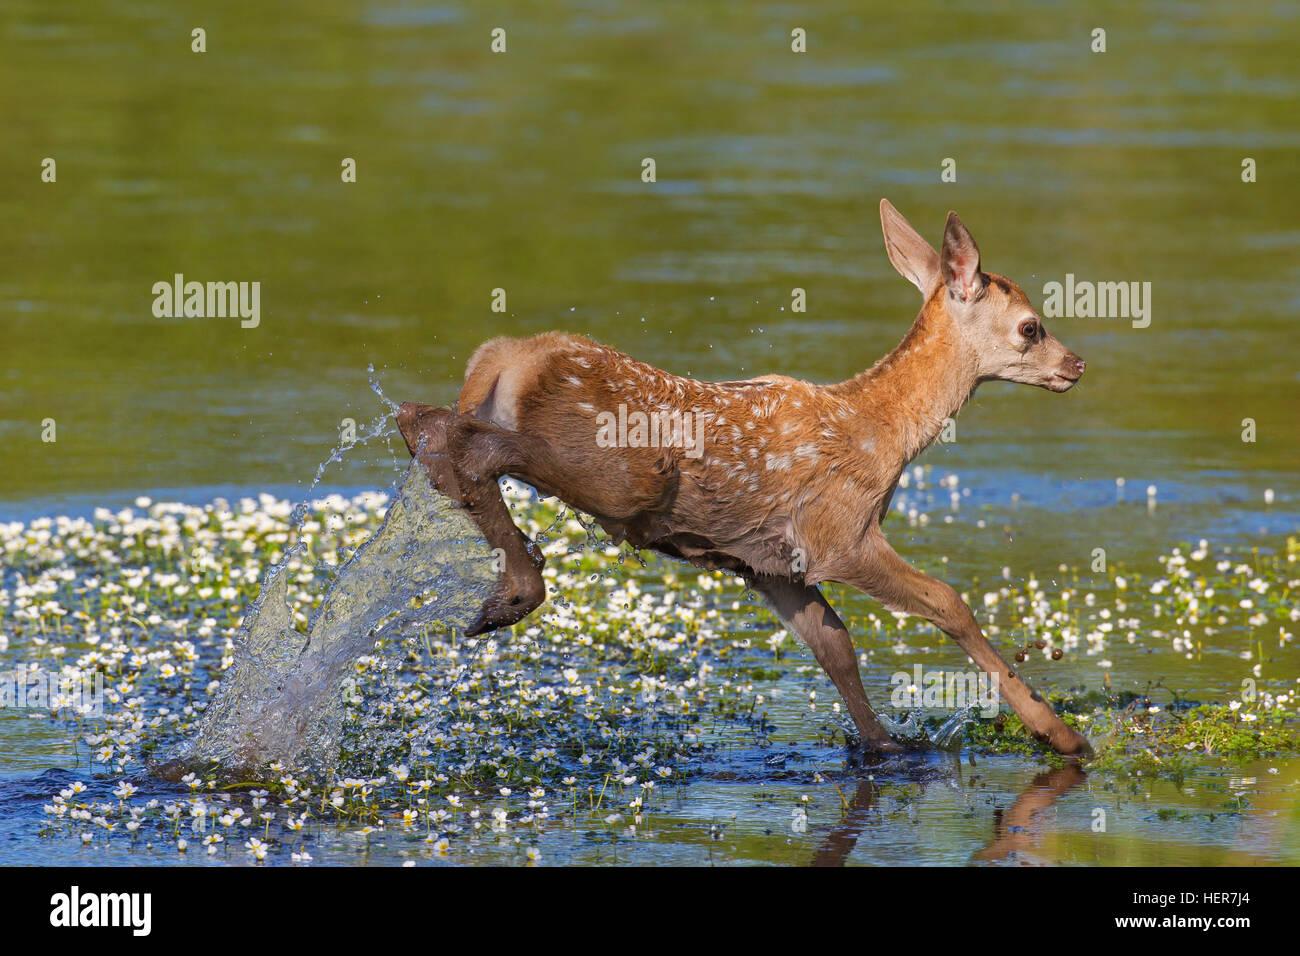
874,751
515,598
1069,742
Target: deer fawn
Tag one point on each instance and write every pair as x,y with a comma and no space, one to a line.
791,481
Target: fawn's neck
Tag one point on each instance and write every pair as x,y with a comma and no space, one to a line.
904,399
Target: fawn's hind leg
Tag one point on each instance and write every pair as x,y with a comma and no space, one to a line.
459,465
808,614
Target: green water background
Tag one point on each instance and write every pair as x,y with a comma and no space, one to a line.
521,171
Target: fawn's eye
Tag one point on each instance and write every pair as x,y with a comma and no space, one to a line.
1029,329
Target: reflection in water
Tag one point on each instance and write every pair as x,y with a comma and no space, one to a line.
1013,832
839,843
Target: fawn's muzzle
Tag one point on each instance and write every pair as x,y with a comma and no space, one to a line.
1067,373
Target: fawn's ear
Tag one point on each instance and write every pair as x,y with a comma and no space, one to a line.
913,257
960,260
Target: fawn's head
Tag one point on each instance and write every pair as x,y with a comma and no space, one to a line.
993,314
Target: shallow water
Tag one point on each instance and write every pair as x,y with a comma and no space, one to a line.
474,174
761,774
931,812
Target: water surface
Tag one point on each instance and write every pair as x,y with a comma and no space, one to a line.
522,171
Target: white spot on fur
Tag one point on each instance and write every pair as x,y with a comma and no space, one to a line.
807,450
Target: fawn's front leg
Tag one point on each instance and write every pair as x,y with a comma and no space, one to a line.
900,587
806,612
463,458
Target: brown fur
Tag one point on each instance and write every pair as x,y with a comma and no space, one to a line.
794,480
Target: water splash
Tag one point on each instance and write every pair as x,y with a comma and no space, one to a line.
281,701
948,736
382,426
906,731
378,390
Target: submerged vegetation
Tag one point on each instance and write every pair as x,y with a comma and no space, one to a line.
636,675
1144,738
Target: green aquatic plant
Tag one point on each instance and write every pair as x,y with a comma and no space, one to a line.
1141,738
